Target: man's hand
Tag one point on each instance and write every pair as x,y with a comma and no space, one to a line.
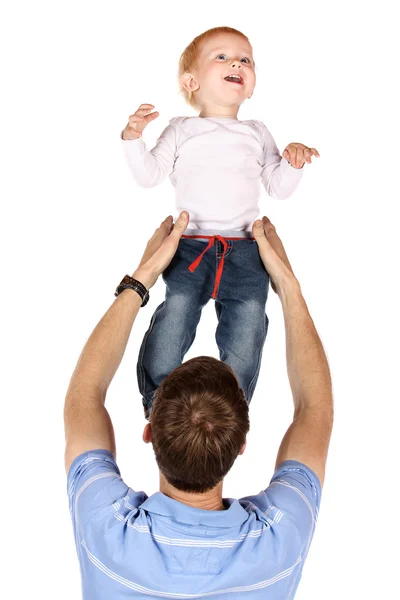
160,249
298,154
273,254
138,121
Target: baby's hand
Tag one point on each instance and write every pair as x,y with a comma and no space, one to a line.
298,154
138,121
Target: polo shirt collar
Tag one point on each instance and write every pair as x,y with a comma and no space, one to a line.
163,505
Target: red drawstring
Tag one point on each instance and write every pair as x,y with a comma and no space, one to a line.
196,263
198,260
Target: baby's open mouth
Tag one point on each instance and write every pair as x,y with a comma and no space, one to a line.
234,79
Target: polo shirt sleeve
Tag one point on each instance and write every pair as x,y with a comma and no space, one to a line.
296,490
292,498
94,484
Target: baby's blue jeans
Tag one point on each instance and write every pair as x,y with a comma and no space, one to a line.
228,268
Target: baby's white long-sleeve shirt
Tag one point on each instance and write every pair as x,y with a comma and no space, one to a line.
216,165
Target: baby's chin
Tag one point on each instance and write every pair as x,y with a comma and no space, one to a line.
242,92
235,97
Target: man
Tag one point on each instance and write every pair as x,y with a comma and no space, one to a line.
187,541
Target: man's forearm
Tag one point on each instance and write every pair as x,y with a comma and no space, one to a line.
103,352
307,365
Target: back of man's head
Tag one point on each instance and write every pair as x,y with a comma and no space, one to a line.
199,421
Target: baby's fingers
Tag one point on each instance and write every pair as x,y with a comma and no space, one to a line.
151,116
135,119
144,108
307,155
300,158
290,155
144,111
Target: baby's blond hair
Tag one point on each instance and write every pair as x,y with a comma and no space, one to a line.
190,55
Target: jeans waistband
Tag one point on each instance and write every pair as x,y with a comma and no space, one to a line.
222,239
205,234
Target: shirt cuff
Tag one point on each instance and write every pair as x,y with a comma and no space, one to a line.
290,174
135,140
133,149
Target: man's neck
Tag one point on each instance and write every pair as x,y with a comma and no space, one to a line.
211,500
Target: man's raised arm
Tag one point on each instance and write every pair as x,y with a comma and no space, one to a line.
307,439
87,423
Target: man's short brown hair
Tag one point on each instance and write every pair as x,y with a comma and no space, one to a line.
199,421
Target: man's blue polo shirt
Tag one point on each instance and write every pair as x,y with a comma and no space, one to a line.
132,546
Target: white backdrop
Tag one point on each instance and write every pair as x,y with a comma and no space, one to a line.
74,222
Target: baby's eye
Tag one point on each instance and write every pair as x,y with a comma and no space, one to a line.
246,59
219,55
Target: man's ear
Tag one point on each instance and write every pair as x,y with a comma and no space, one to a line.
189,82
242,449
147,433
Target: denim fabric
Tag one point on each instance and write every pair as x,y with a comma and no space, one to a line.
240,307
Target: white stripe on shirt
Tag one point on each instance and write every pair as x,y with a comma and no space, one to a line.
134,586
196,543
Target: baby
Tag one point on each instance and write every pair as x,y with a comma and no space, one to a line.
215,162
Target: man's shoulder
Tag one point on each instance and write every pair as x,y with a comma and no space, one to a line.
294,491
94,483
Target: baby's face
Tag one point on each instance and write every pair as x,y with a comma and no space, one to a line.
224,55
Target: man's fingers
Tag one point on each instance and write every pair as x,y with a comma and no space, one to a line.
179,227
275,242
315,152
259,234
181,223
167,227
173,233
164,227
168,223
268,226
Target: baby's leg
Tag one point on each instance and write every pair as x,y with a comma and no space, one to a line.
173,325
240,306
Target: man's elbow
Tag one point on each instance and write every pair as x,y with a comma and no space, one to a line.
321,409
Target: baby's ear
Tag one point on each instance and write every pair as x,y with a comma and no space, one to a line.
189,83
147,433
